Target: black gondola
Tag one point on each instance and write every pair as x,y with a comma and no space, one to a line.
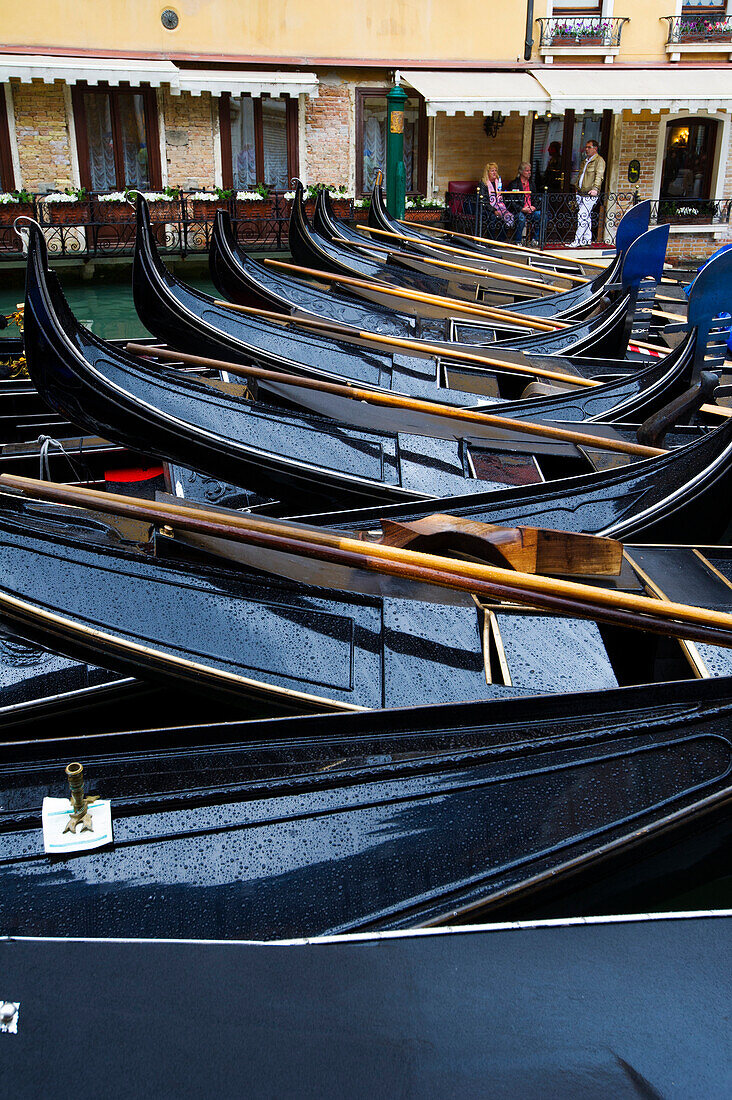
315,251
326,825
633,1006
186,317
210,426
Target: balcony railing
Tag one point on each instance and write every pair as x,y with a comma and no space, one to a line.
581,31
698,30
558,222
93,228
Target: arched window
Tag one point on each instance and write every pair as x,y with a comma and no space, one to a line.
688,158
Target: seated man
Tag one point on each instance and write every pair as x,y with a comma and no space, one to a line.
524,211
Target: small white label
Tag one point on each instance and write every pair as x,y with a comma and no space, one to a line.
9,1011
55,815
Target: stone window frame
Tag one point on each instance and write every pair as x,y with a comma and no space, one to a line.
8,181
422,137
78,92
293,138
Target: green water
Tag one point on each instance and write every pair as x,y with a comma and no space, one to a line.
106,303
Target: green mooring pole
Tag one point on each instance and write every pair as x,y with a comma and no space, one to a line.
395,180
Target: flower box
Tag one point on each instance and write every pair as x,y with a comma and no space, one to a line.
9,211
432,215
201,210
167,210
341,207
249,209
67,213
361,214
114,212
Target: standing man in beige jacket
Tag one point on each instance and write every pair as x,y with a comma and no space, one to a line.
588,188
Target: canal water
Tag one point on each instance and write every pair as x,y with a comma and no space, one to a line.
106,303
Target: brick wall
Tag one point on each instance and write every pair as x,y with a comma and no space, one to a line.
329,138
189,138
638,141
42,131
462,148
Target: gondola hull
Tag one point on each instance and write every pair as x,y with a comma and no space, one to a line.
363,822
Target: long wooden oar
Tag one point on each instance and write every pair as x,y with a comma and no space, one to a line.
413,404
471,254
339,326
455,306
428,261
505,244
562,596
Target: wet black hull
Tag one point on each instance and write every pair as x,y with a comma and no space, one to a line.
431,815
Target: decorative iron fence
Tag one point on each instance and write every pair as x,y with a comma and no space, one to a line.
97,227
698,29
560,222
584,30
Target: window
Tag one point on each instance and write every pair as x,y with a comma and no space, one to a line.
688,158
371,140
7,176
117,138
258,141
558,143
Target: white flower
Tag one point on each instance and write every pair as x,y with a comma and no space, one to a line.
6,197
335,194
289,194
58,196
249,196
203,196
362,203
155,196
113,196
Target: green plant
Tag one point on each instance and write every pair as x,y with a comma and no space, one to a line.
78,193
223,194
22,195
262,190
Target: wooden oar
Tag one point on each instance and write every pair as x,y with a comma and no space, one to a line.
513,279
562,596
505,244
413,404
475,360
338,326
470,254
455,306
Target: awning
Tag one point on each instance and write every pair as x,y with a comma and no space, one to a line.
238,82
637,89
113,70
480,92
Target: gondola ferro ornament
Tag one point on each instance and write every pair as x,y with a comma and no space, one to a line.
77,823
80,802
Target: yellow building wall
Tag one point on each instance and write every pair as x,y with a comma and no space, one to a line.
296,29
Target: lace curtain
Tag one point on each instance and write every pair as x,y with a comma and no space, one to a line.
243,154
130,110
101,142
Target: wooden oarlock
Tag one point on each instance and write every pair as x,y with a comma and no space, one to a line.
562,596
413,404
479,312
471,255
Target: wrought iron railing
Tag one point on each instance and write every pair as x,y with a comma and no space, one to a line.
93,227
581,30
557,223
698,29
